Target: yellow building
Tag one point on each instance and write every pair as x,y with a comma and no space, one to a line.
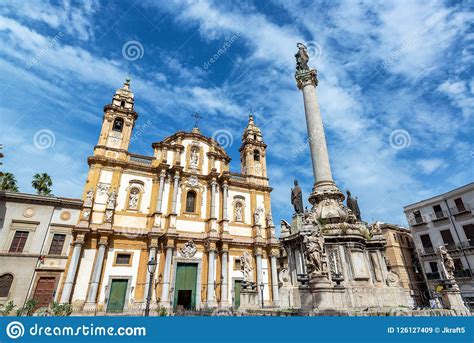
181,207
403,261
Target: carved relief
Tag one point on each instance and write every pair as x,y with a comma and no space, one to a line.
188,250
247,267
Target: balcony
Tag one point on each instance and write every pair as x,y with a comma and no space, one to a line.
439,216
466,244
428,250
462,273
417,221
461,210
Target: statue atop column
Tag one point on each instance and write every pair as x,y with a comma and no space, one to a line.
448,262
297,198
302,58
353,205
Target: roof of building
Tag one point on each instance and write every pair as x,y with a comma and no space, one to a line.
440,197
40,199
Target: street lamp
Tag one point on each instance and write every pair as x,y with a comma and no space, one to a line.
262,286
151,269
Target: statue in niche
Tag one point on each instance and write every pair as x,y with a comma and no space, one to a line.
194,159
314,246
238,212
297,198
353,205
111,200
133,199
246,267
256,216
302,58
89,198
448,262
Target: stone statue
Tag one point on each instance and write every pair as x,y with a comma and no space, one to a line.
297,198
133,201
246,267
194,158
284,227
353,205
89,197
256,216
238,212
314,247
448,262
111,200
302,58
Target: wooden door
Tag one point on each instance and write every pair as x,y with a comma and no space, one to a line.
185,286
44,291
237,286
118,292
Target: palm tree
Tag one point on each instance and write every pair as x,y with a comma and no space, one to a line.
8,182
42,183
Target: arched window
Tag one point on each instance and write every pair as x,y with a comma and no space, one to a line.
256,155
122,104
118,125
134,198
254,137
191,201
6,281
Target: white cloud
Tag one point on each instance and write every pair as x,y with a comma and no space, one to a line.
428,166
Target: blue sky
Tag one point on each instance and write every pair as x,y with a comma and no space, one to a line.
395,88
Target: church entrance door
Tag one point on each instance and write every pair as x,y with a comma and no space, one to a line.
185,286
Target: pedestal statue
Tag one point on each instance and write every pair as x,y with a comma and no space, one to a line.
297,198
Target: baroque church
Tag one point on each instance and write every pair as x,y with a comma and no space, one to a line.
178,221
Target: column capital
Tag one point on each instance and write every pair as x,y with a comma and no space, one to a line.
258,251
306,77
80,239
162,174
103,240
275,252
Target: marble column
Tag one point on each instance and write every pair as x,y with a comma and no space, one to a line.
72,271
210,278
175,193
275,292
213,199
167,276
151,255
225,278
259,276
307,82
97,272
160,191
225,194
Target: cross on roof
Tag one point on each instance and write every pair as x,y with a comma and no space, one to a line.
196,117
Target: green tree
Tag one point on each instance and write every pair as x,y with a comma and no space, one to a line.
42,183
8,182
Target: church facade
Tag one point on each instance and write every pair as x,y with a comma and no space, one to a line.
184,209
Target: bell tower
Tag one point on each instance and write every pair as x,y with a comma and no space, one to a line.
252,151
117,125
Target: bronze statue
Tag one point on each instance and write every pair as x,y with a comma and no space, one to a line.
353,205
297,198
302,58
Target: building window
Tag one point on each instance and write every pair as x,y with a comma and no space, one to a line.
458,264
6,281
123,259
438,211
434,267
395,237
118,125
256,155
469,231
57,244
122,104
447,238
426,242
133,198
237,264
459,205
418,217
191,201
19,241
